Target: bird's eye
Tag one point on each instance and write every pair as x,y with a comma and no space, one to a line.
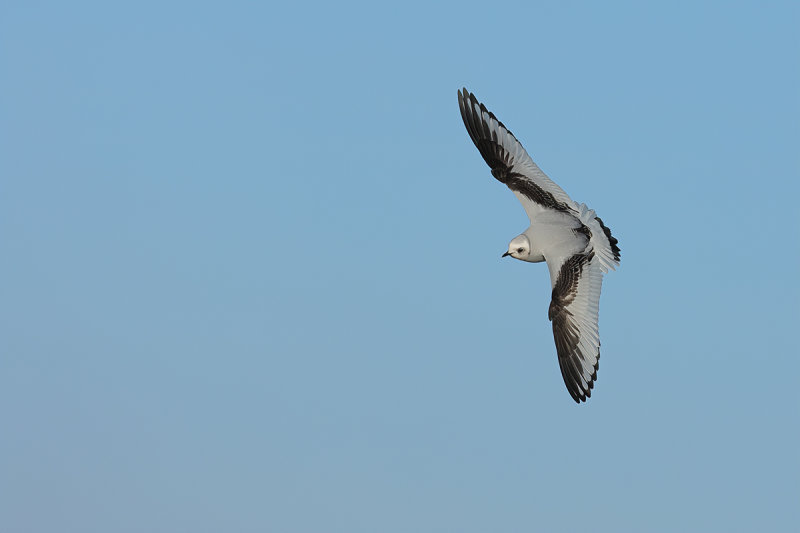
520,250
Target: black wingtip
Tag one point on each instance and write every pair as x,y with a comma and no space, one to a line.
464,95
477,121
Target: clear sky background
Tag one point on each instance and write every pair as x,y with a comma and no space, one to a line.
251,276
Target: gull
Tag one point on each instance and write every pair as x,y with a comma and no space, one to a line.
577,247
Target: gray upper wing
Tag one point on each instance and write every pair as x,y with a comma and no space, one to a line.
509,162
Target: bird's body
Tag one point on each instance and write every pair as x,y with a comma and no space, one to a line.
570,237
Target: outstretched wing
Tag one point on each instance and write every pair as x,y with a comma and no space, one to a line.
509,161
574,313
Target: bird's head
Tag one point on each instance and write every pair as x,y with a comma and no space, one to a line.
519,248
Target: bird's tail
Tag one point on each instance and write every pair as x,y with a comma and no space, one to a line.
603,243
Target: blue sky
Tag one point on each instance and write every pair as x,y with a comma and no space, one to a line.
251,277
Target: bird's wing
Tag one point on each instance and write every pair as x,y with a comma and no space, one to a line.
509,161
576,281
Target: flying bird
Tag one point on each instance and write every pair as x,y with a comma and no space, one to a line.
570,237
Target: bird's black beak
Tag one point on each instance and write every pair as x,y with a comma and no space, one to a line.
505,254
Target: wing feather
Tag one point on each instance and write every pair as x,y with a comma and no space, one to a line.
508,160
574,312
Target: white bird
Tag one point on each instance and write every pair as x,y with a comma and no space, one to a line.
576,245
